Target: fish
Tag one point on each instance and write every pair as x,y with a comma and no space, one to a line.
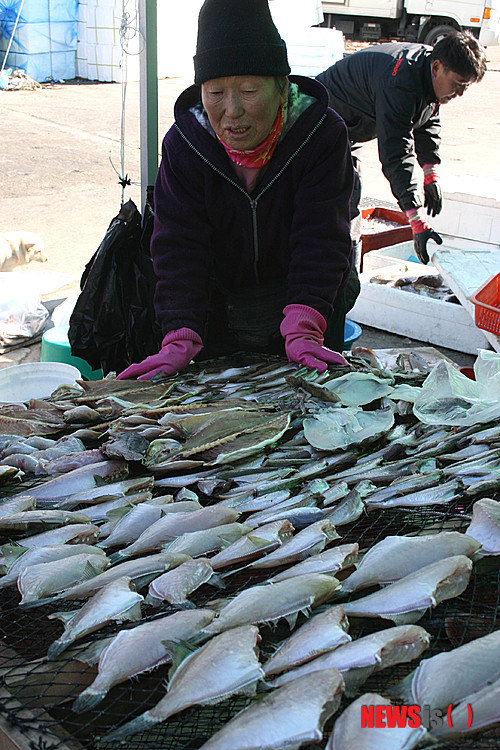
254,544
453,676
397,556
173,525
24,520
349,731
285,718
227,665
437,495
140,649
19,558
177,584
140,571
99,511
485,525
116,602
335,493
108,491
321,633
360,388
406,600
364,656
16,504
54,490
249,502
281,510
70,461
270,602
309,541
39,581
478,711
347,511
76,533
332,429
130,523
205,541
330,561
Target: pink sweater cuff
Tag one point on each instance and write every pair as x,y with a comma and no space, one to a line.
182,334
306,314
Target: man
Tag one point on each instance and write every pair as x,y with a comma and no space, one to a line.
393,92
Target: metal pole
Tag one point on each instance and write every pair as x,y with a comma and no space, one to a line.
148,96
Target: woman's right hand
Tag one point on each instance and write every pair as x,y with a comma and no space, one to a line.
178,349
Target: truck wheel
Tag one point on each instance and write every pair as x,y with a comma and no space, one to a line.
436,33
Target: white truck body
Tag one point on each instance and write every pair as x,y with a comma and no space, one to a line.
415,20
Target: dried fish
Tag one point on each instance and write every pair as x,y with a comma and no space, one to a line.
286,718
406,600
118,602
275,601
176,585
478,711
128,523
140,649
397,556
348,731
349,510
330,561
42,580
358,659
438,495
331,429
173,525
205,541
16,504
76,533
140,571
309,541
255,544
320,634
452,676
17,558
25,520
360,388
108,492
227,665
485,525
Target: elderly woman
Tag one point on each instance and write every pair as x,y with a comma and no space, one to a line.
251,242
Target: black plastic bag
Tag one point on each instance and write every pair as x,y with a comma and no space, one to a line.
113,323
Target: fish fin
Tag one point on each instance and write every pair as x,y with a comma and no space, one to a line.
407,618
291,620
115,514
186,605
56,648
11,552
140,724
217,581
258,541
65,617
354,678
403,689
87,700
117,556
153,601
178,651
90,571
131,615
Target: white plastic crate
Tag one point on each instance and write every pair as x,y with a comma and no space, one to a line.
471,210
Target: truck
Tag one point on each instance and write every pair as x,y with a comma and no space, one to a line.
424,21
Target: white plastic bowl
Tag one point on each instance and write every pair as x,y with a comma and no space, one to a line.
34,380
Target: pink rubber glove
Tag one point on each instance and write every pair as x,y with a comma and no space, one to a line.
303,329
177,350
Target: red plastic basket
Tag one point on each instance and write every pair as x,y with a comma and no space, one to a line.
487,305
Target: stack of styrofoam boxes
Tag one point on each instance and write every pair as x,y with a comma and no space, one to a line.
471,212
99,54
44,43
314,50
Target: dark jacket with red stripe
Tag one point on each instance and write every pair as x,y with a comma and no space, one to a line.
385,91
294,226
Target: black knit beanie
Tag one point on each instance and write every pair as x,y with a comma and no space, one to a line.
237,38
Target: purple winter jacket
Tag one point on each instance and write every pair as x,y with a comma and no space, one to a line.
294,226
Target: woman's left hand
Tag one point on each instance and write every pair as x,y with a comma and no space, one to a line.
303,329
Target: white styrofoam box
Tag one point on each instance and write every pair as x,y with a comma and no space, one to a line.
32,38
82,68
471,209
45,66
422,318
313,50
82,13
386,256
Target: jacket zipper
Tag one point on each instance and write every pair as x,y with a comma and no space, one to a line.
253,201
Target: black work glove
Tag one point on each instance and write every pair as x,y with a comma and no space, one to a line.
433,198
420,243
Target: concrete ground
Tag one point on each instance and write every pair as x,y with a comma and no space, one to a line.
62,145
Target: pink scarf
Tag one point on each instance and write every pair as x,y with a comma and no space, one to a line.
260,155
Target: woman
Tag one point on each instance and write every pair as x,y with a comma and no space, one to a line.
251,242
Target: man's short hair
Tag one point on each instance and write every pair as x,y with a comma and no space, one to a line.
460,52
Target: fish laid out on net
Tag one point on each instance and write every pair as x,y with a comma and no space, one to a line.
303,491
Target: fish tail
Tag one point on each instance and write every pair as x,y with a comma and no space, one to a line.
116,556
140,724
87,700
56,648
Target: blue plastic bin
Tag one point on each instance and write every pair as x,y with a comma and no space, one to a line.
352,332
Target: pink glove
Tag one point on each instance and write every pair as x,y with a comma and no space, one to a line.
177,350
303,329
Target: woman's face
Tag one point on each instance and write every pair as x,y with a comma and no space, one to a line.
242,109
